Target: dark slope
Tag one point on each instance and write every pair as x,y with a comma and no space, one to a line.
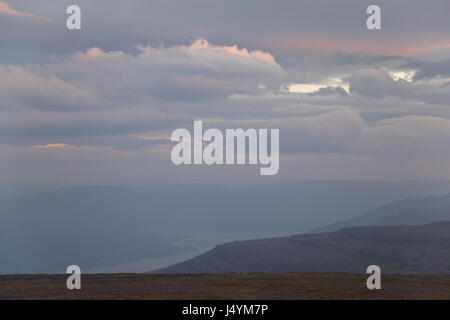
396,249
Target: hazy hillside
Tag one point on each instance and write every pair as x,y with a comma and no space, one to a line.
104,226
396,249
414,211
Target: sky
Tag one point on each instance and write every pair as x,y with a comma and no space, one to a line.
97,105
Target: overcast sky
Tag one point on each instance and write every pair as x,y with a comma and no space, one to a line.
96,106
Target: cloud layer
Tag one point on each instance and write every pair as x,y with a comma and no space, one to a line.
366,108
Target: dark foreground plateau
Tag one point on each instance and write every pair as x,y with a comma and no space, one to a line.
225,286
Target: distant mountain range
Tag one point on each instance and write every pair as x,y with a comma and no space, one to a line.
99,226
413,211
389,238
396,249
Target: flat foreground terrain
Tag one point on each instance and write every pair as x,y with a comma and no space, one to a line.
224,286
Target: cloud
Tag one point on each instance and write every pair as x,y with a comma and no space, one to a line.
116,106
153,138
345,132
42,126
5,8
358,47
50,146
428,69
374,83
203,44
344,59
407,135
24,88
329,86
409,26
378,83
95,78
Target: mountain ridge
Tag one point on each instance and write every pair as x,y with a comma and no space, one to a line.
410,211
396,249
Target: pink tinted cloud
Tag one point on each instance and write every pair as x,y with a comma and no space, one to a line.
8,10
50,146
202,45
234,50
327,45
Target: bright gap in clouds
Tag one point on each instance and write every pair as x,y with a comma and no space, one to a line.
337,82
315,87
404,75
